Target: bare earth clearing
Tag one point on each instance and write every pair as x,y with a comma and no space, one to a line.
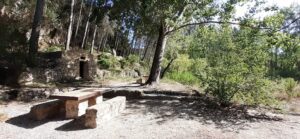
155,118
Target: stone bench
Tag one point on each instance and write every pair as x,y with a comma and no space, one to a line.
104,111
47,109
76,102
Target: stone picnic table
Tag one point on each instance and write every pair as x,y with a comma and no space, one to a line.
74,98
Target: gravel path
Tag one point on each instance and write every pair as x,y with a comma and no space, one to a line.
152,118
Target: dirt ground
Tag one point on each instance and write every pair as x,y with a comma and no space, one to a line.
154,118
158,117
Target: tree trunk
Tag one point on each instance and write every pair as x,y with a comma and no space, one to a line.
86,27
79,19
67,47
100,42
35,33
103,43
166,69
132,43
158,56
93,41
146,49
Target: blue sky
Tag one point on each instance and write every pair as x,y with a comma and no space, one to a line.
241,10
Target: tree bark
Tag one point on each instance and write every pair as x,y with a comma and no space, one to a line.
35,33
104,40
79,19
100,42
146,49
86,27
132,43
158,56
94,36
166,69
67,47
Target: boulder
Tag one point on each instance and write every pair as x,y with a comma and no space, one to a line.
26,78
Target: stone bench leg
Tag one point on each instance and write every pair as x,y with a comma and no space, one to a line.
95,100
72,109
92,101
104,111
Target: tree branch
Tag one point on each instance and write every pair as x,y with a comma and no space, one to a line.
288,25
212,22
232,23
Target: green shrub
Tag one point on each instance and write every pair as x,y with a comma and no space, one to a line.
183,77
54,49
289,85
104,63
198,68
107,61
182,63
132,59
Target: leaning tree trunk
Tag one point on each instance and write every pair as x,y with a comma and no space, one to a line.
35,33
93,41
67,47
166,69
158,56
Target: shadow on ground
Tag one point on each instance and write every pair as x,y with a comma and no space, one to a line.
25,121
235,117
74,125
168,109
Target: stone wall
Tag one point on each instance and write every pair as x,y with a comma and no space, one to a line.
58,67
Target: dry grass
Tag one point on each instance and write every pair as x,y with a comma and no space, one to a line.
297,91
294,105
281,94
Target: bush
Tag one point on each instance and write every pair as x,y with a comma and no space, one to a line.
182,63
198,68
183,77
289,85
132,59
107,61
53,49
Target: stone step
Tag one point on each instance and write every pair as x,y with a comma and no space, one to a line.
104,111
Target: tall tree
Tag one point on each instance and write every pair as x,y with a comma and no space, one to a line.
93,40
172,15
67,47
35,33
87,25
79,19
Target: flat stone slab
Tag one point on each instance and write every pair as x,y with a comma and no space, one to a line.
104,111
47,109
80,95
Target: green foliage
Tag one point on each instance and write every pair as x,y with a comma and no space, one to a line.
133,59
183,77
130,62
231,64
54,48
107,61
198,68
289,86
182,63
